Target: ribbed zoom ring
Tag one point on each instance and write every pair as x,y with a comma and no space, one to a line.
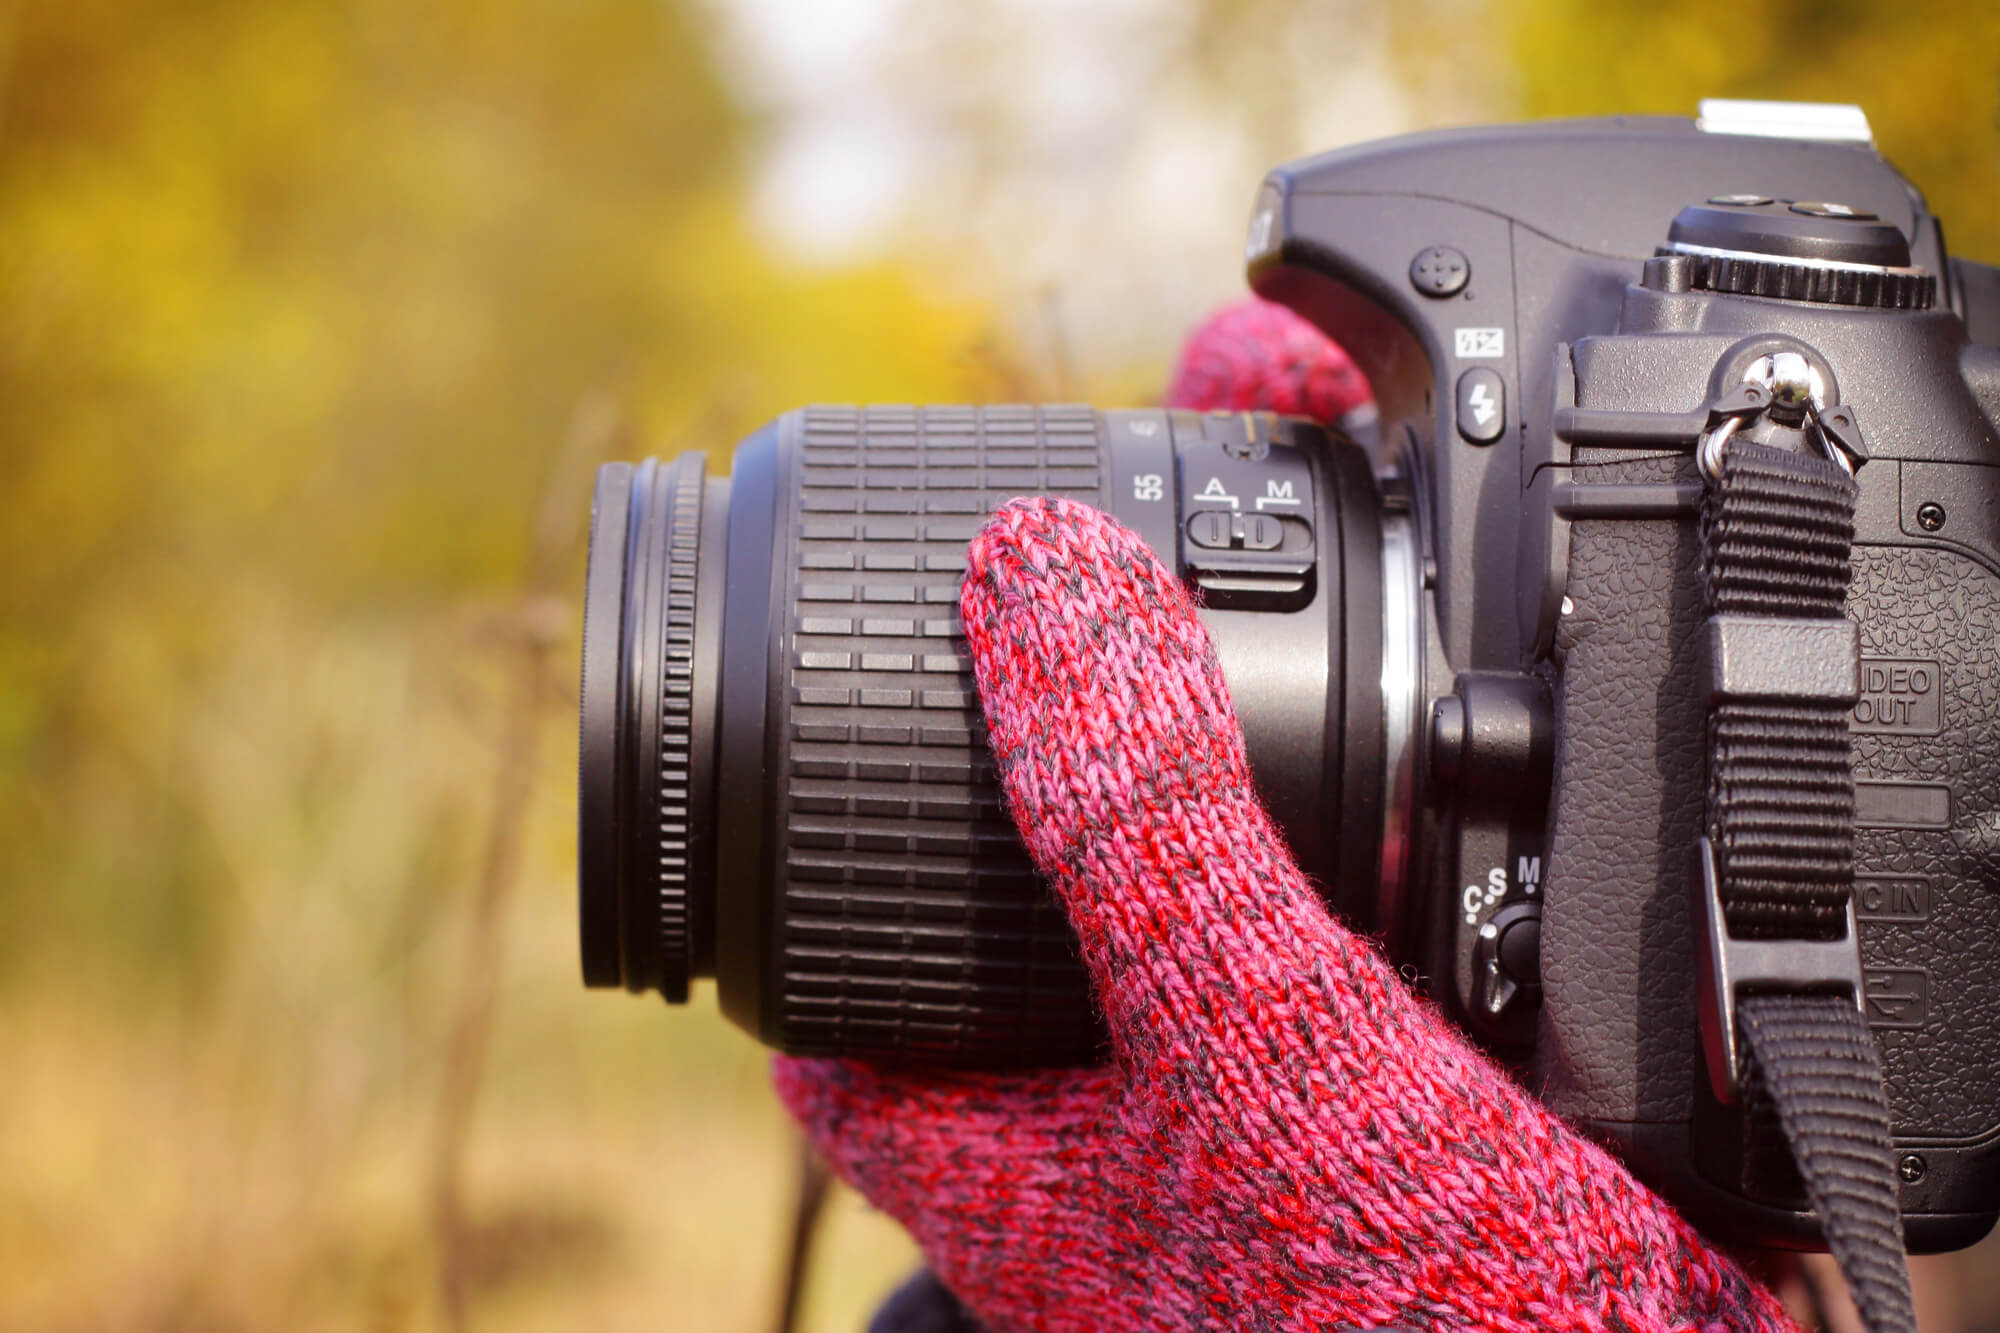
1885,289
674,885
912,926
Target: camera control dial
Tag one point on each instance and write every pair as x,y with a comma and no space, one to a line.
1821,251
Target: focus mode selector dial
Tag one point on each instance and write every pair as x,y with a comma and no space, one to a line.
1508,961
1818,250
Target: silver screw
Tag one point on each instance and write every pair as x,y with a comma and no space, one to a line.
1793,383
1791,379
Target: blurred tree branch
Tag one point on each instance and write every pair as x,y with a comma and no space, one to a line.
539,624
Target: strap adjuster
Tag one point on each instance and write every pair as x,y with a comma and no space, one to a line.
1726,966
1785,658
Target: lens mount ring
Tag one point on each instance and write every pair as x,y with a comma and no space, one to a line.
1402,687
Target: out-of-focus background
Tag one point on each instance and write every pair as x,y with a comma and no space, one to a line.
314,320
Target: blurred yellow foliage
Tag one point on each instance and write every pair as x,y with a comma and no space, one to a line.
298,305
1926,71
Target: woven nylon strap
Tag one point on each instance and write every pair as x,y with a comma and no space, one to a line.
1777,529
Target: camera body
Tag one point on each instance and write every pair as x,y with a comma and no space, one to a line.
1466,653
1560,530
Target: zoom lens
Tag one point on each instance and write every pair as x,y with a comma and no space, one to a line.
784,780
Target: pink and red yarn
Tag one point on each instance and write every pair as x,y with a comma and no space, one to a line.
1287,1138
1256,356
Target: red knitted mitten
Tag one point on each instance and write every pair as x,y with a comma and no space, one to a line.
1255,355
1288,1137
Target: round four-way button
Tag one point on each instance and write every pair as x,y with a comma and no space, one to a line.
1440,271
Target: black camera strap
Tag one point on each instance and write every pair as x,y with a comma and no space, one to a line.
1782,1017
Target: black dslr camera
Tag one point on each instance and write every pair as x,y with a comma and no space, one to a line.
1477,658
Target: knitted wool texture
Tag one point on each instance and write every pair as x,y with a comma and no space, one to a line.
1255,355
1287,1137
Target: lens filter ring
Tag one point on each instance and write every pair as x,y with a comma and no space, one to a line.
637,764
673,886
601,735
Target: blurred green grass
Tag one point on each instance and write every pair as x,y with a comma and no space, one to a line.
298,307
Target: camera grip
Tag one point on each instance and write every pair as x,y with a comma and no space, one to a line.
1617,1042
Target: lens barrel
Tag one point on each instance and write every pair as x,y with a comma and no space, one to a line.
784,778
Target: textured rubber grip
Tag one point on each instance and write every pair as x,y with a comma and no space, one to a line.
909,921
